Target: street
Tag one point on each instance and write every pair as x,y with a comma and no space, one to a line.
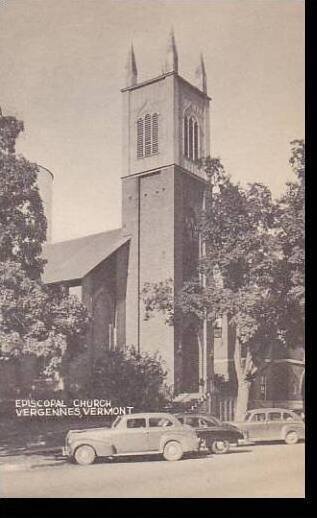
271,470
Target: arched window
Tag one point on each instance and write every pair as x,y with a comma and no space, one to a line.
191,138
195,150
147,135
186,136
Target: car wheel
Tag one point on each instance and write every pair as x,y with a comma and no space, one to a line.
172,451
220,447
291,437
85,455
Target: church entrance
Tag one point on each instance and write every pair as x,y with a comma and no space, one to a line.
190,360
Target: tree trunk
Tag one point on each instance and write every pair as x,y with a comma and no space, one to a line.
242,399
242,366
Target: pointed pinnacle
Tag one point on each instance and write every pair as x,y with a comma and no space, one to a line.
171,63
131,68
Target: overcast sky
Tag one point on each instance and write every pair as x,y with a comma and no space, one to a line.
62,67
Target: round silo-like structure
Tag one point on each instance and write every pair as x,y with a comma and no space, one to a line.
45,184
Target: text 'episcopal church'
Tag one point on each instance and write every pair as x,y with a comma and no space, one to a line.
165,131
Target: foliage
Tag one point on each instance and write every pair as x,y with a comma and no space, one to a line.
22,219
159,297
290,275
130,378
253,267
34,319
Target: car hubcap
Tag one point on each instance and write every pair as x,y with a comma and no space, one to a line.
85,455
173,450
292,437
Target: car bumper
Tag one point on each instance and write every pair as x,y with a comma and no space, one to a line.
193,445
244,442
66,451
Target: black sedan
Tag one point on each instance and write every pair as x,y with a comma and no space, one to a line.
214,435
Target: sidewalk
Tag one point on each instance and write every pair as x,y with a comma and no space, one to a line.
30,460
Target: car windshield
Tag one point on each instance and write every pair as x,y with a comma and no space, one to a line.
116,421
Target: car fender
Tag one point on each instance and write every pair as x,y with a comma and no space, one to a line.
101,448
173,436
291,427
219,435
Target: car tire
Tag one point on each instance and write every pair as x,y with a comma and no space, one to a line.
219,447
173,451
84,455
291,437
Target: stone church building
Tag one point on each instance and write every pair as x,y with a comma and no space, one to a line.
165,130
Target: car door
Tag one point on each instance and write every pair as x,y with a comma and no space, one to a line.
274,425
131,436
158,426
256,426
209,429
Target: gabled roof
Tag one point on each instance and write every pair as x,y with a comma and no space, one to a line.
73,259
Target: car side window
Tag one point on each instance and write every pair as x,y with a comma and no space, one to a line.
192,421
203,423
258,417
159,422
206,423
274,416
136,423
288,417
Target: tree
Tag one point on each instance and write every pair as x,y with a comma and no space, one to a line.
290,274
239,229
22,220
127,377
35,319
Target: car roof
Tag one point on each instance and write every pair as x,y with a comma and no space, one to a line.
270,409
148,414
185,414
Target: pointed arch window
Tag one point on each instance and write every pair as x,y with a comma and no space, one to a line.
191,138
147,135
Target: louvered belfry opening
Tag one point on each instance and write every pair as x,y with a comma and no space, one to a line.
147,135
140,137
154,133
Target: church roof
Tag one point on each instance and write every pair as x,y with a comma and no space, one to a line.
73,259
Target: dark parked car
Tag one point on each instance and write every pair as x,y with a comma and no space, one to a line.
213,434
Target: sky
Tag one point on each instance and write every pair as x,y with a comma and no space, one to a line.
62,66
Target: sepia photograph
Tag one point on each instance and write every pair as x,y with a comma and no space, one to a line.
152,249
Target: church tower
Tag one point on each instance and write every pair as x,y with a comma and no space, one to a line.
165,132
